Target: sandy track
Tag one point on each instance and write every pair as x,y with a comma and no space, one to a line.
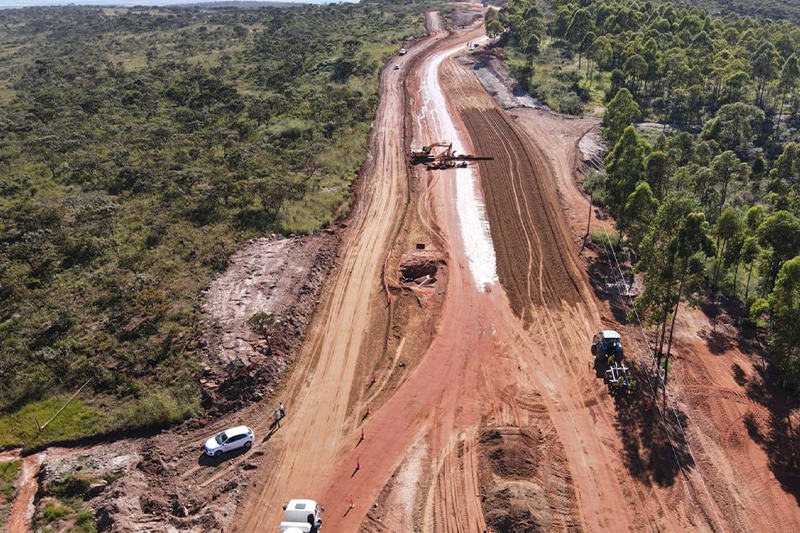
316,413
22,509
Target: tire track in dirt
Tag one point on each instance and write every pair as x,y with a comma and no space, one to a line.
560,311
321,390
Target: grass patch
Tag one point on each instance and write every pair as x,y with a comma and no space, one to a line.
77,420
54,511
593,185
558,81
603,238
9,471
153,408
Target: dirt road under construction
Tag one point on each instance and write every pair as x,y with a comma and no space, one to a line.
500,423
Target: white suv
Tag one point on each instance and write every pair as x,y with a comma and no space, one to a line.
228,440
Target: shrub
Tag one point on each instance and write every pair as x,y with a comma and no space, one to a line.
603,238
53,512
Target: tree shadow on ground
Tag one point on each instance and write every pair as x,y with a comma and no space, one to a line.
605,286
779,437
730,313
654,450
717,342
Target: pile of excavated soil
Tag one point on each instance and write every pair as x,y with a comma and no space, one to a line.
511,452
462,19
420,267
525,482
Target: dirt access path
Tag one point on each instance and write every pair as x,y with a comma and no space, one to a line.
317,407
485,382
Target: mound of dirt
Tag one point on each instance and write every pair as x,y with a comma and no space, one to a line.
525,481
512,452
505,90
464,18
512,507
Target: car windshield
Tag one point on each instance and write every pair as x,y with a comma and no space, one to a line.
222,437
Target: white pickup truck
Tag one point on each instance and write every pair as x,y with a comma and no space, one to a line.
302,516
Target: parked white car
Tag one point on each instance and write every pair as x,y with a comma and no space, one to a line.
229,440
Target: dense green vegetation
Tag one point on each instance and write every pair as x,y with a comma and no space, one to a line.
713,200
773,9
138,149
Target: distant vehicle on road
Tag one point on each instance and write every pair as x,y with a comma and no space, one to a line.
402,51
302,516
229,440
397,67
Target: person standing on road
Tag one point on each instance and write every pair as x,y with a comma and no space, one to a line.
277,417
280,408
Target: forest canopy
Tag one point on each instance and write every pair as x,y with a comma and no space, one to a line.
700,115
138,149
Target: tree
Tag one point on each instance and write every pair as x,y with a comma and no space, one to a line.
579,25
263,324
787,167
780,233
275,188
749,254
531,51
658,261
784,304
726,167
692,242
560,23
624,170
585,49
728,227
621,112
765,64
734,126
494,29
639,212
659,169
790,73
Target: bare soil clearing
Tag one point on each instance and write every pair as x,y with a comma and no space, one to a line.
281,276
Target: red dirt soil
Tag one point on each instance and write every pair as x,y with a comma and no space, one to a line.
503,424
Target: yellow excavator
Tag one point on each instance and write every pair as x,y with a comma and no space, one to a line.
447,159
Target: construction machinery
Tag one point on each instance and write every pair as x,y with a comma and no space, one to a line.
447,159
619,380
608,345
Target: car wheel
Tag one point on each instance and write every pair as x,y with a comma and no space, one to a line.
217,453
247,445
594,350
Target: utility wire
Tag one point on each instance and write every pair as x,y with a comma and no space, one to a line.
661,379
